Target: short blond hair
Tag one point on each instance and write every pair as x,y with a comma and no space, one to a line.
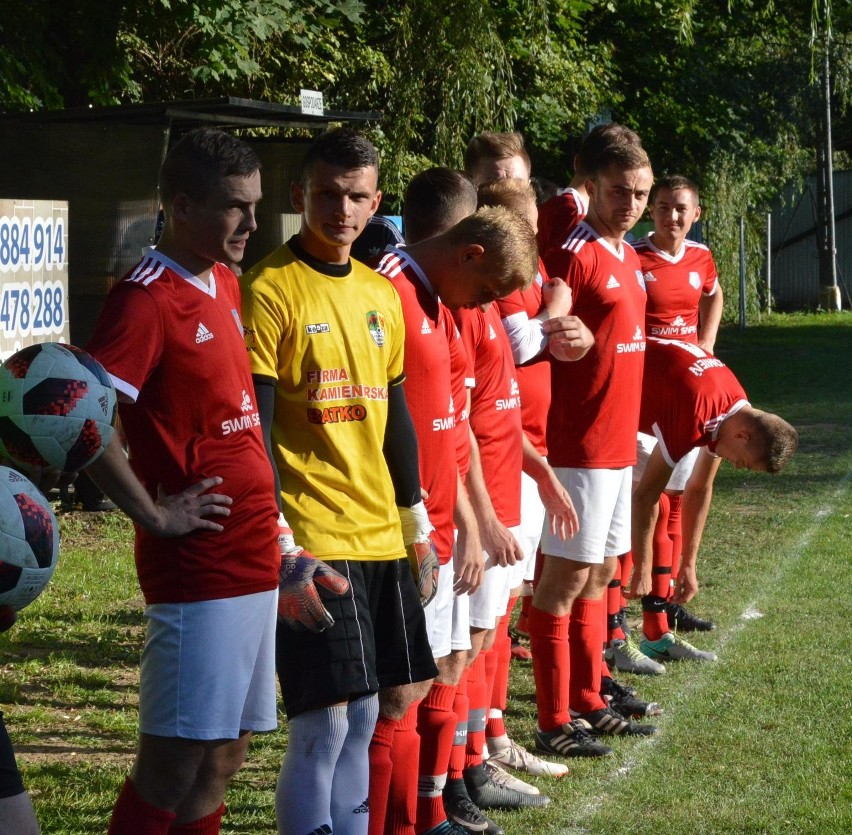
508,240
491,145
512,193
774,440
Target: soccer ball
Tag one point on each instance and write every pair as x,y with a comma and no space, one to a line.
57,408
29,540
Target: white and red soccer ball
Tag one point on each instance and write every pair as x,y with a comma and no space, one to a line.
29,540
57,408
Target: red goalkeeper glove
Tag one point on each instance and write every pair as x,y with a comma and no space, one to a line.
299,603
419,550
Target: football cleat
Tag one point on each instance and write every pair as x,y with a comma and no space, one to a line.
683,620
487,794
626,657
573,739
501,777
608,721
623,700
672,647
512,755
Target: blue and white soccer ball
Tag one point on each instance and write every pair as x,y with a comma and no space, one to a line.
57,408
29,540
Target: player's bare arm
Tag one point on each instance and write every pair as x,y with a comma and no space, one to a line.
168,515
557,299
645,509
468,560
561,515
568,338
497,539
696,507
709,316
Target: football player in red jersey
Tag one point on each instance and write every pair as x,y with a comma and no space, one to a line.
558,215
591,435
170,337
684,302
489,253
691,399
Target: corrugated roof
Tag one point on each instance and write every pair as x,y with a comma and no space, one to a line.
225,111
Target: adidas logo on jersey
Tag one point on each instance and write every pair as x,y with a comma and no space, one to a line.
612,284
650,277
491,334
363,809
202,334
424,328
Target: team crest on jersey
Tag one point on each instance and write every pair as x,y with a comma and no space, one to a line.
695,280
376,325
640,278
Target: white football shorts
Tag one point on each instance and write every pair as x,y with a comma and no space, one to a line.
208,668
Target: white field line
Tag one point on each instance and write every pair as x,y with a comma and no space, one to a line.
645,747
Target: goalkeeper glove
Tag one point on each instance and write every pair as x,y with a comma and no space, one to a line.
299,604
419,550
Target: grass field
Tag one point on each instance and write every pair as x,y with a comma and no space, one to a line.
758,742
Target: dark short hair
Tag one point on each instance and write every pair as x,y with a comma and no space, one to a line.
200,157
490,145
342,147
600,147
672,182
431,197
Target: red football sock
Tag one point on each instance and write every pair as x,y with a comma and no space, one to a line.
132,815
655,623
613,606
477,694
675,533
208,825
461,708
585,636
405,755
551,667
381,767
436,724
494,726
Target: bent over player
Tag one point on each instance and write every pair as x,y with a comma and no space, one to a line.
171,338
692,399
325,338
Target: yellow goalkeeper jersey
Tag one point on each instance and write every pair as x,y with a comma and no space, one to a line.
331,339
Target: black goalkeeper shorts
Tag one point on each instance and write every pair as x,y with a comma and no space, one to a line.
378,639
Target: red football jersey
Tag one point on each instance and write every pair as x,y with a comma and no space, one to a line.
175,347
495,409
533,375
463,382
675,285
558,216
594,415
428,390
686,395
